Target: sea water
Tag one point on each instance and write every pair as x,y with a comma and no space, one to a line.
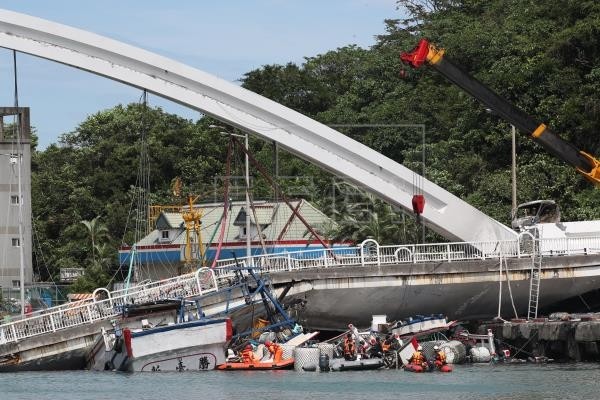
477,381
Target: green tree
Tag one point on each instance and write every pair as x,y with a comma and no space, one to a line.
98,233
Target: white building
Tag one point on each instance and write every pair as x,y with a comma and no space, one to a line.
15,162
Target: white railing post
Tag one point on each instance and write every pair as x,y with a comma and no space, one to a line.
216,283
325,257
52,322
362,256
448,252
198,281
289,260
14,332
90,313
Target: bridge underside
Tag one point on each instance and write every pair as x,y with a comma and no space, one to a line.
250,112
464,290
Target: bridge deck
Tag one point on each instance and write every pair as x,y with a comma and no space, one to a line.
106,305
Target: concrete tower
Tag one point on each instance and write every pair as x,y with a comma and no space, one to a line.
15,121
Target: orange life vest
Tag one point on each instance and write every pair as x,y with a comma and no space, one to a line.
276,351
417,358
385,346
440,356
247,356
349,347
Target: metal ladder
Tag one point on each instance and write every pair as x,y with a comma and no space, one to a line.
534,282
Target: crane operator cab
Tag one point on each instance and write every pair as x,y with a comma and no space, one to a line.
527,215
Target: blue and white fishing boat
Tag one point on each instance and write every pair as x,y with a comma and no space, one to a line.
193,345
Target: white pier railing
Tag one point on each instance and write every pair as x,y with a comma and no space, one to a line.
97,309
106,305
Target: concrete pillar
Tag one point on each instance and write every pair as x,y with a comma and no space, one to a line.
573,347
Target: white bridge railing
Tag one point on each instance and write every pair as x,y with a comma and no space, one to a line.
106,305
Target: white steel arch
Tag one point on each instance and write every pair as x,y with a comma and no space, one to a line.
250,112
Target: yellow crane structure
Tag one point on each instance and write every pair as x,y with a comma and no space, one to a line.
193,226
193,232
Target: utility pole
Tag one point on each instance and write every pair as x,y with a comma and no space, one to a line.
514,168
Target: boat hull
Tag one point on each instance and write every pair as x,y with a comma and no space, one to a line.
190,346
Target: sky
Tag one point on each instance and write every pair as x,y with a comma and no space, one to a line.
225,38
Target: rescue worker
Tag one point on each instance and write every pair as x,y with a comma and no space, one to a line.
275,350
440,357
349,348
352,329
248,355
418,358
386,345
363,349
396,343
376,350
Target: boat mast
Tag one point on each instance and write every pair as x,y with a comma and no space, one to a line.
248,238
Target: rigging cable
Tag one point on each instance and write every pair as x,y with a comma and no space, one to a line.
141,193
261,169
512,300
499,315
258,228
225,202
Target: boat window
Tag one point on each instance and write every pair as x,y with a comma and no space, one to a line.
527,211
16,242
549,213
14,199
165,234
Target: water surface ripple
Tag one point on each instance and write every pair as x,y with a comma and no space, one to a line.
506,382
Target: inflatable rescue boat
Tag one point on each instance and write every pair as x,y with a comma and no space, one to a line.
242,366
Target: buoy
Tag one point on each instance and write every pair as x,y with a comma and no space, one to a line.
324,363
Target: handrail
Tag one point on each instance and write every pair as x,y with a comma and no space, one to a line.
205,281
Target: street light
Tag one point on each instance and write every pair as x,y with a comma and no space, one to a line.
245,136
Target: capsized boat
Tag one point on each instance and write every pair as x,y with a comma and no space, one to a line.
196,345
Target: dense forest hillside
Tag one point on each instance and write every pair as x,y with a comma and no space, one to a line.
542,56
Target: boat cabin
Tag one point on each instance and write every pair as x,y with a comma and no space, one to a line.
533,213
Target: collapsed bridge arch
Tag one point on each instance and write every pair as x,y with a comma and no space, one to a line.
329,149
